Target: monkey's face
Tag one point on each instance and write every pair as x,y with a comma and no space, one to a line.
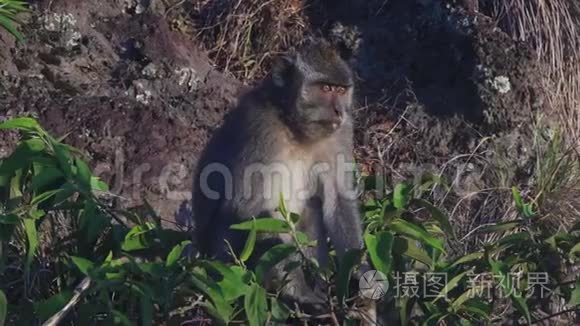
315,87
323,107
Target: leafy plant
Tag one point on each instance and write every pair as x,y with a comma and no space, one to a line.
116,266
130,266
400,247
8,11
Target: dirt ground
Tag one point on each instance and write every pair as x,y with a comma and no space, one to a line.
135,85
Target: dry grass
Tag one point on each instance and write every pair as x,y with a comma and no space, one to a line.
242,36
553,28
557,180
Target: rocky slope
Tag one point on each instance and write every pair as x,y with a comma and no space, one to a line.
129,83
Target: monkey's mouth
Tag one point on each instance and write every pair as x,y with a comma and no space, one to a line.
332,124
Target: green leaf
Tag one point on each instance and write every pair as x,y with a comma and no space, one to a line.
34,145
66,191
348,262
465,322
528,211
389,213
98,184
36,213
500,227
221,308
574,251
6,231
21,157
249,246
84,174
9,219
294,218
417,233
145,302
22,123
37,200
502,269
516,239
92,223
3,308
522,307
280,312
175,253
465,296
64,160
15,185
272,257
452,284
19,5
256,306
120,318
409,248
154,269
379,247
401,195
302,238
45,177
217,317
147,310
574,297
47,308
269,225
8,24
84,265
468,258
235,279
137,238
518,199
437,214
32,236
282,206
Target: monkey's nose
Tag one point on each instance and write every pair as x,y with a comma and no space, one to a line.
337,121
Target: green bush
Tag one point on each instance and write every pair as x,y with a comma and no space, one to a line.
62,242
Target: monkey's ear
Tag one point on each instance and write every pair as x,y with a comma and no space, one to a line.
281,70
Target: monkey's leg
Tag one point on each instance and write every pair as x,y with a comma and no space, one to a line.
342,223
306,287
221,240
312,225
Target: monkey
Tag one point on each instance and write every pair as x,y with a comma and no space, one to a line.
291,135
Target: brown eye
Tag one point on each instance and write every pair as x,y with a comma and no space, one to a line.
341,90
326,88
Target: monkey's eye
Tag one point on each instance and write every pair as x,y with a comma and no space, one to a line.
326,88
341,90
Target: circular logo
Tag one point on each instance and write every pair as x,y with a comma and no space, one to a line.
373,285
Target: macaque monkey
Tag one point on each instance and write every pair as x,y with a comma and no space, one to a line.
292,136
